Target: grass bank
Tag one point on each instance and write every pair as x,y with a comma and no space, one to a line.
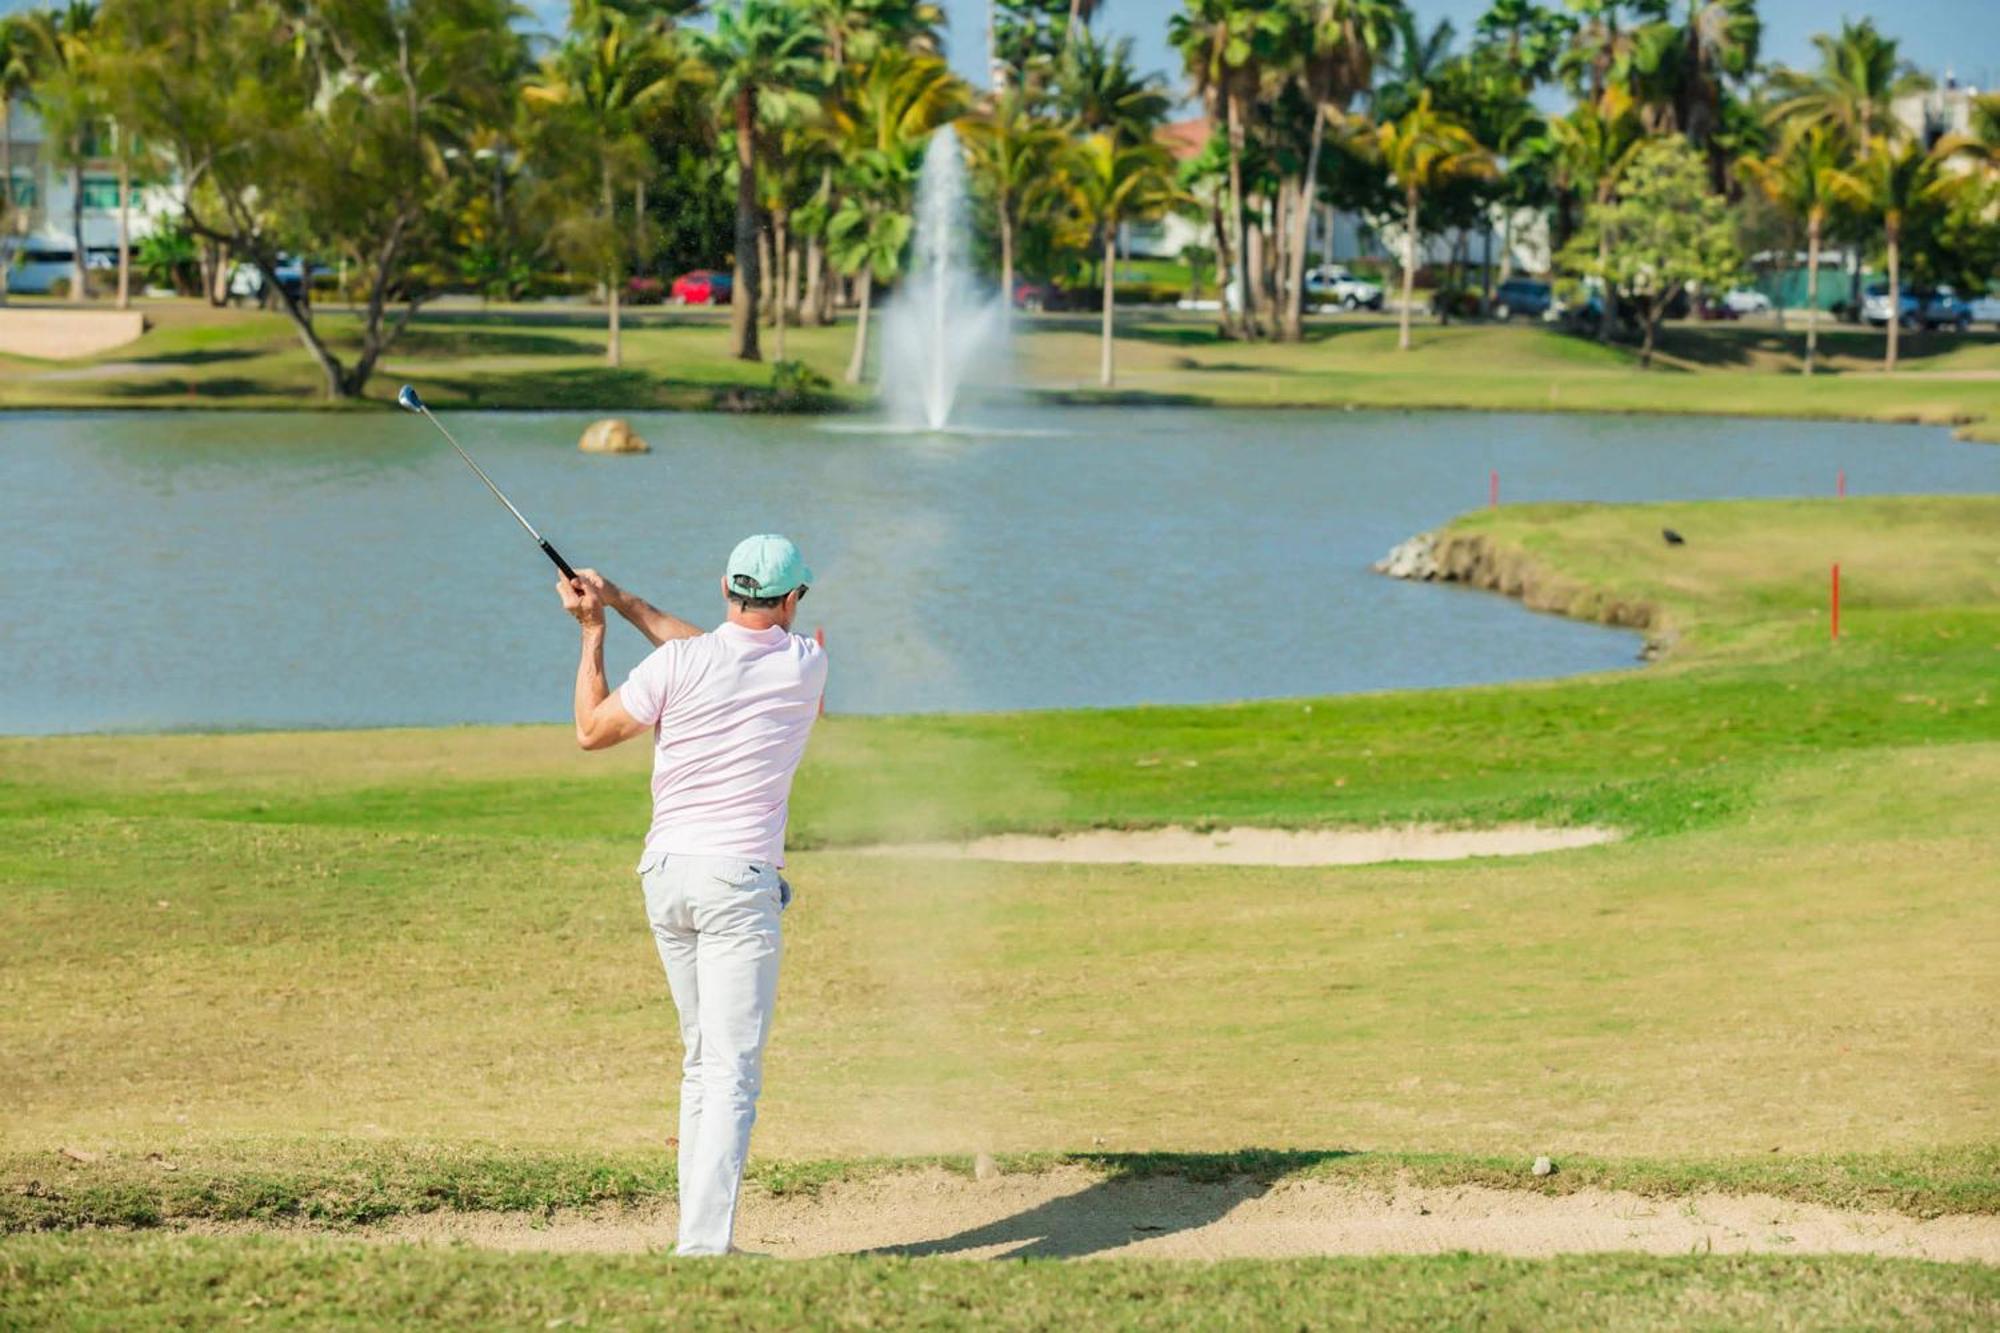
63,1281
404,937
540,357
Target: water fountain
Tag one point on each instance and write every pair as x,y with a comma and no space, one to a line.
940,325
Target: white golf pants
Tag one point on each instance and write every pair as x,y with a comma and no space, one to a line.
715,920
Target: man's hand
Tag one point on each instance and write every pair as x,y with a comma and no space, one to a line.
584,604
608,593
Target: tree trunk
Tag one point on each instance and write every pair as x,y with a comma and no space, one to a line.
1253,299
1607,300
857,363
1895,297
1812,291
124,231
1006,261
781,250
1295,295
218,277
1225,264
7,228
743,298
810,311
614,348
765,268
1409,268
1239,274
1652,322
80,284
1104,372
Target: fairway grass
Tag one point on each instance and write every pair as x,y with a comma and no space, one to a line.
157,1281
275,1003
553,357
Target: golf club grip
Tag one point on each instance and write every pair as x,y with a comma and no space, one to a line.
561,563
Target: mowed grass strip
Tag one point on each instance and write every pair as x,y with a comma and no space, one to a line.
352,1183
158,1282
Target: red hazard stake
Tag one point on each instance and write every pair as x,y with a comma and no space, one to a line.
1836,599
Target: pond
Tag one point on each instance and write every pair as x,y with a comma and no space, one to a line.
227,570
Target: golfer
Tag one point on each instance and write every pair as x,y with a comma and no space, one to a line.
730,711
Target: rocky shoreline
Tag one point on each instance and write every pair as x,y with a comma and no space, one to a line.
1477,560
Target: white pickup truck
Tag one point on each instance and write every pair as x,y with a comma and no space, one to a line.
1332,284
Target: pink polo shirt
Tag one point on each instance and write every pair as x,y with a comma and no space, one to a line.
730,712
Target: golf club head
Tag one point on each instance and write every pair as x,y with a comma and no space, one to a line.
408,400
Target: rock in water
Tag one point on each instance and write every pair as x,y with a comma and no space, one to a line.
1544,1167
612,435
1413,559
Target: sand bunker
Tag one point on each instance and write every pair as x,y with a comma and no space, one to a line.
1258,846
1075,1213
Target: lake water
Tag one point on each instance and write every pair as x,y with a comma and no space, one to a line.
224,570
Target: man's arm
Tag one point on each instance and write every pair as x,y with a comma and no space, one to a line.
649,620
601,719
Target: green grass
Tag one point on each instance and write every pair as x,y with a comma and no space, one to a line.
552,357
158,1282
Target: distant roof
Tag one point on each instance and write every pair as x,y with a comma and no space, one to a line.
1184,138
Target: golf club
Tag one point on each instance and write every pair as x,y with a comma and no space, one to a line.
410,402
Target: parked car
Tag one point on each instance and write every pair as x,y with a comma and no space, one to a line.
1332,284
1985,310
1523,296
703,287
38,267
1918,309
1712,309
246,281
1744,301
1031,295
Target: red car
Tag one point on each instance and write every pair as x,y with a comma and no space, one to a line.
702,287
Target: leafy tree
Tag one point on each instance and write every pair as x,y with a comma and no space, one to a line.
1798,178
1423,151
1661,236
1900,187
168,257
867,236
69,94
330,128
1116,183
1593,146
768,56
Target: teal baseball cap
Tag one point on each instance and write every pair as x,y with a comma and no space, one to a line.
766,565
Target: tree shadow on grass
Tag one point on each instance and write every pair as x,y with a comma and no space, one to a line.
1142,1195
202,356
176,390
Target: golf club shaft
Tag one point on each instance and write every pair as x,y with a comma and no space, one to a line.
541,541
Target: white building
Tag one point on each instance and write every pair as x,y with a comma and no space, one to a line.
38,234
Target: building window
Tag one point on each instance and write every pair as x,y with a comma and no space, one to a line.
100,192
26,193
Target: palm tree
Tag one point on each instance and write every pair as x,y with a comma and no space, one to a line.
1889,184
1335,51
1798,177
1594,144
1013,152
1115,183
605,80
1422,151
765,54
1852,93
1100,90
18,48
869,232
1226,45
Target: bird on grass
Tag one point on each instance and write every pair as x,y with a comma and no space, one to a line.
1673,538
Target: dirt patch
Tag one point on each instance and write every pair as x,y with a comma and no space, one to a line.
1257,846
1075,1213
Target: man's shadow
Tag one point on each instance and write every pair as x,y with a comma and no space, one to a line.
1142,1195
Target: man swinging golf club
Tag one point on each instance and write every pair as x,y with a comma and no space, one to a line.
730,711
